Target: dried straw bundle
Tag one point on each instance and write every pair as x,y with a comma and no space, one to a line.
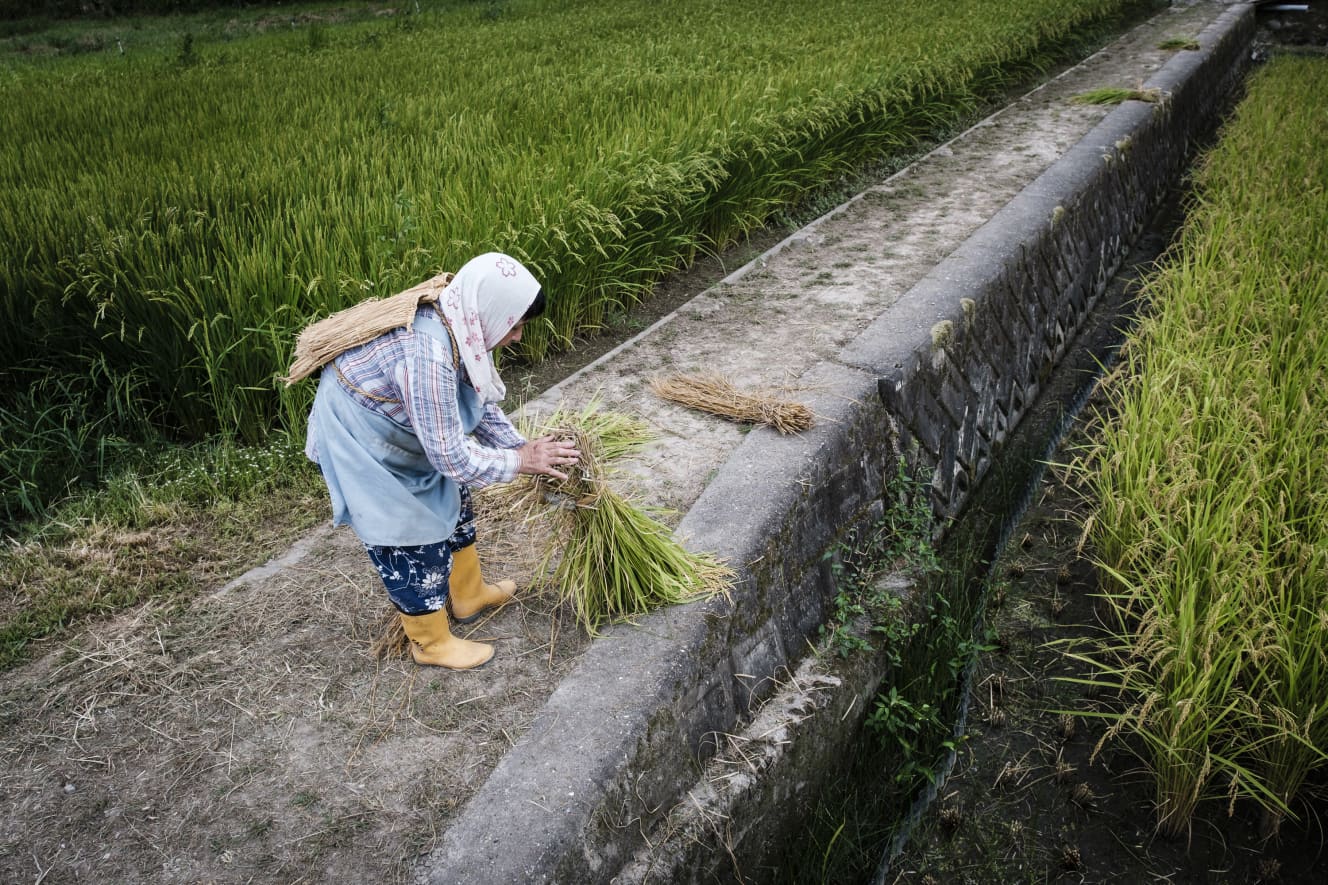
713,394
323,341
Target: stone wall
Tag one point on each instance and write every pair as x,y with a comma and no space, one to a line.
1002,309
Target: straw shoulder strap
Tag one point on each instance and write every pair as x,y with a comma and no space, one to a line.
327,339
451,341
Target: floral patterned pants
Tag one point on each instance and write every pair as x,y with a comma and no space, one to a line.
416,577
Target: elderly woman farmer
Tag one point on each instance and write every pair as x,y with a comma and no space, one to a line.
405,423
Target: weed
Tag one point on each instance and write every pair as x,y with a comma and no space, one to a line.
900,542
317,37
186,56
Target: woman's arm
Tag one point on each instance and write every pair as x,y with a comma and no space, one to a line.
429,396
497,431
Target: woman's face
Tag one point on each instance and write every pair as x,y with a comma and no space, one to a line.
511,337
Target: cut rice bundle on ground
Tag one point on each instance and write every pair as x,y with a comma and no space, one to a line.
715,395
618,562
610,560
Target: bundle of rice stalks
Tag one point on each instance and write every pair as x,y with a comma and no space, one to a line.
1116,95
713,394
611,435
617,562
610,560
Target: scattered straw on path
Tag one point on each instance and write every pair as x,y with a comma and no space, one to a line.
713,394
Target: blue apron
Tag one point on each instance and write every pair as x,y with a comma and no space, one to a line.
381,482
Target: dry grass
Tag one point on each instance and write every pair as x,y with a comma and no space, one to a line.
218,739
715,395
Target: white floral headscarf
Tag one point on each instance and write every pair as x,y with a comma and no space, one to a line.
485,299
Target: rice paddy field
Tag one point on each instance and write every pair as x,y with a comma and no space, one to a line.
1175,549
176,204
1211,483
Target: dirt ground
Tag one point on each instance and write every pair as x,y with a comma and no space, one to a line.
251,736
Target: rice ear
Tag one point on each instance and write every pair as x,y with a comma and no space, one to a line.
325,340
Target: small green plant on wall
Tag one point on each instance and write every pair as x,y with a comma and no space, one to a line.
896,600
899,543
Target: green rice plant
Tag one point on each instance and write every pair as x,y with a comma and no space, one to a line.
1186,43
620,563
185,221
1209,477
1116,95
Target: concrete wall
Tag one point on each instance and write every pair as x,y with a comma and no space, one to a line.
940,379
1005,306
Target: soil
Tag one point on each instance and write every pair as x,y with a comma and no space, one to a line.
252,735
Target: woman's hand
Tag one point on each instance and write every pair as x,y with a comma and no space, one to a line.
545,455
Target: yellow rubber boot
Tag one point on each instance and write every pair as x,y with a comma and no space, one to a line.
469,595
432,643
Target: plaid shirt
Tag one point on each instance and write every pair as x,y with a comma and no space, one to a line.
409,377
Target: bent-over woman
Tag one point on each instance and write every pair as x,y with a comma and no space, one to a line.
403,427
